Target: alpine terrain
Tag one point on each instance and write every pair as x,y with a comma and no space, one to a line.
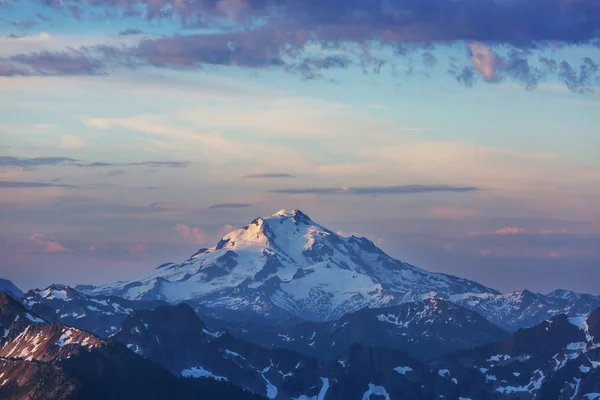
286,265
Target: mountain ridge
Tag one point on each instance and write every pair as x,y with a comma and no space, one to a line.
288,265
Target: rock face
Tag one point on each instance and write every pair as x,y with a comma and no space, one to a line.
39,360
288,265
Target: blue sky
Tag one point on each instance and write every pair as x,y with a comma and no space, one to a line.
369,123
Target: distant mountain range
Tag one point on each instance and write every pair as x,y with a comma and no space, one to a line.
557,359
286,309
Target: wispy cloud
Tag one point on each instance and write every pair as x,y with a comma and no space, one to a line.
25,163
229,205
27,185
171,164
268,175
375,190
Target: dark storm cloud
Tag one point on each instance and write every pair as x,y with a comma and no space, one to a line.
374,190
229,205
268,175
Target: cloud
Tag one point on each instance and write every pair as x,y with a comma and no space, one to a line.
170,164
130,32
195,235
509,230
68,62
484,60
407,20
268,175
47,245
229,205
375,190
30,163
582,81
27,185
74,142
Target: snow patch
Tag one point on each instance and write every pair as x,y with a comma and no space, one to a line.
199,372
403,370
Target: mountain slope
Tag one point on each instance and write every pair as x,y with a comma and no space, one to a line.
10,288
286,264
556,359
39,360
176,338
424,330
100,315
515,310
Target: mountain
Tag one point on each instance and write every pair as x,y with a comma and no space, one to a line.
39,360
424,330
100,315
556,359
515,310
176,338
10,288
288,265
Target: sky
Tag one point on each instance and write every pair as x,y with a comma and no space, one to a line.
459,136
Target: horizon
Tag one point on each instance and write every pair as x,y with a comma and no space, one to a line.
460,138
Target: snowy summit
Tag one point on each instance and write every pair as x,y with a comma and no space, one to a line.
288,265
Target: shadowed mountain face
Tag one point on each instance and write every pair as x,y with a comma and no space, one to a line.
176,338
39,360
177,351
524,364
425,330
10,288
557,359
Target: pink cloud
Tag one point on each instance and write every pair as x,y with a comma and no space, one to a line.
510,230
196,235
47,245
484,60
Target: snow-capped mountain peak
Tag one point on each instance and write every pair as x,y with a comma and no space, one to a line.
287,264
